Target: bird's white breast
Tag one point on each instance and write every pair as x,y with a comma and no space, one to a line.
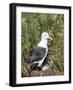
43,43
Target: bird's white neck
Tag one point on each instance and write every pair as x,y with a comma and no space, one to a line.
43,43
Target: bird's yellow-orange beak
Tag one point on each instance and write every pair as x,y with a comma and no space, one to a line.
50,38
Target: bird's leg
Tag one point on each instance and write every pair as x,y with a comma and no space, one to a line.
41,73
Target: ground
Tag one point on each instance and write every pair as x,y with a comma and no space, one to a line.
49,72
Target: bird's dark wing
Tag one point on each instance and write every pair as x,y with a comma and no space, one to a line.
36,54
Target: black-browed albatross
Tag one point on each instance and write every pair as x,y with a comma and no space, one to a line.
38,54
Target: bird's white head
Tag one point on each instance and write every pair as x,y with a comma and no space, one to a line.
44,40
46,36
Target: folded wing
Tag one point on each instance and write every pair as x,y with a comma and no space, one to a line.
36,54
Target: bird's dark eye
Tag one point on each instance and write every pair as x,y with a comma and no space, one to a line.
45,35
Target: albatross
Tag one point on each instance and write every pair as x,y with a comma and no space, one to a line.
37,55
